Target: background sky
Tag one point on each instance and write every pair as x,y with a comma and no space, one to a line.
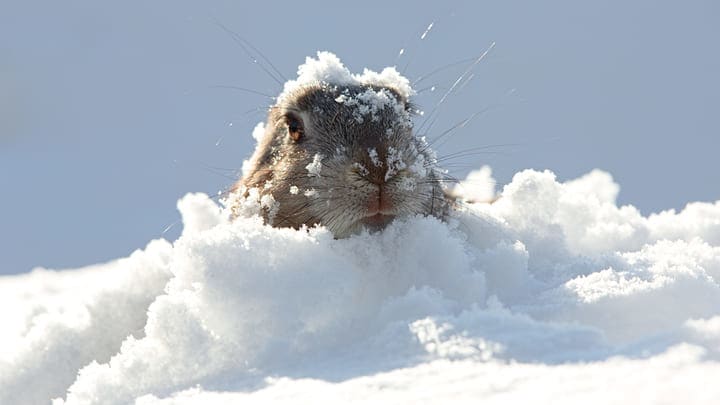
111,112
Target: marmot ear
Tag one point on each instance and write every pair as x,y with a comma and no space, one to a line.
295,128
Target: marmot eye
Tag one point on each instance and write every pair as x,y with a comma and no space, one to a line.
295,128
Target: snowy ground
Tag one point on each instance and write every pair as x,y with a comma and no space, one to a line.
552,294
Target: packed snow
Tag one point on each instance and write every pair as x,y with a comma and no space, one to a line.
551,294
327,68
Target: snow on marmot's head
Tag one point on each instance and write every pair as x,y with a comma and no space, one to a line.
338,150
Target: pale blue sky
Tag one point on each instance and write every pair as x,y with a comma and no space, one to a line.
108,112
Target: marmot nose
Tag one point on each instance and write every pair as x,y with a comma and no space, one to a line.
378,202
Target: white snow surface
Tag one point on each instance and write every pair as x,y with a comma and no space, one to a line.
552,294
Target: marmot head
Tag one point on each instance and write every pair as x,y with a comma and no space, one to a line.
343,156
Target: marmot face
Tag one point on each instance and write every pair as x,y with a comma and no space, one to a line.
344,157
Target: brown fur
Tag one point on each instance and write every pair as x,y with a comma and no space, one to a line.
352,188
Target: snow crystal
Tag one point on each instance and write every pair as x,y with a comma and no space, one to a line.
407,183
258,132
294,190
395,163
374,158
267,201
361,168
419,167
315,166
370,102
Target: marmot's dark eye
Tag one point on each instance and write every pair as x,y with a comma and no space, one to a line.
295,128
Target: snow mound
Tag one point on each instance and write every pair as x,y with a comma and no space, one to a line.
552,293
